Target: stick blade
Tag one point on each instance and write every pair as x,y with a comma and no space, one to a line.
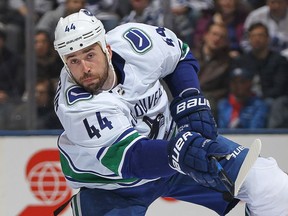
250,159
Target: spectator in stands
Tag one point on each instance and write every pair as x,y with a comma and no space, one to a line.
11,78
184,16
231,13
270,68
183,20
9,74
15,25
275,15
278,117
50,19
46,117
214,61
242,108
284,53
105,10
145,11
40,7
47,60
123,8
254,4
201,5
6,105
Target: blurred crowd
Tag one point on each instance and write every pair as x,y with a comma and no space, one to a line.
241,46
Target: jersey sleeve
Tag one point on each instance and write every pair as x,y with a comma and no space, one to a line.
154,53
184,76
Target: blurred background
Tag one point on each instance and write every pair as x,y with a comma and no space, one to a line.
242,49
246,36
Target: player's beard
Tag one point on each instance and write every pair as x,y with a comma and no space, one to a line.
99,80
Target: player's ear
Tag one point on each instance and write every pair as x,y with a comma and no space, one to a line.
108,47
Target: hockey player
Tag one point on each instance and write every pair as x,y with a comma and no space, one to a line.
120,145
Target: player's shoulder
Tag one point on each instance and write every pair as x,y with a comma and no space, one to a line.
138,40
131,25
137,36
147,51
141,37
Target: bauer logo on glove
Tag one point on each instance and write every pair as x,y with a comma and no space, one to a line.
190,153
191,112
176,150
194,102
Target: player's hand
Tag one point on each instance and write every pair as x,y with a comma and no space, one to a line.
191,112
189,154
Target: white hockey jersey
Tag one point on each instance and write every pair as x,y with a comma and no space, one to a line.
100,129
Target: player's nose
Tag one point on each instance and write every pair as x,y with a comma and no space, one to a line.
86,67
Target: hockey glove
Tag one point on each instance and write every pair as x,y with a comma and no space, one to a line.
189,154
191,112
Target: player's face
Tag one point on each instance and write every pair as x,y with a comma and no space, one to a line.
89,68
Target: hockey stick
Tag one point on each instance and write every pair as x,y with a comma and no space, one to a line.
225,179
251,157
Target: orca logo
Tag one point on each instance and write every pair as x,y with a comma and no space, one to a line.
138,39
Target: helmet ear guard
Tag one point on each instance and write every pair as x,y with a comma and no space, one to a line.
77,31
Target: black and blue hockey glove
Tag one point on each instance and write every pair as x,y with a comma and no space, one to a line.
189,153
191,112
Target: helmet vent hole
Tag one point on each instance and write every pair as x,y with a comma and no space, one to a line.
71,48
81,45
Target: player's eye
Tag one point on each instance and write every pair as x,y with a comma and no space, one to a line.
90,55
74,61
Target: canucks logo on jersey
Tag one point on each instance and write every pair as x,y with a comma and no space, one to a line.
76,93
